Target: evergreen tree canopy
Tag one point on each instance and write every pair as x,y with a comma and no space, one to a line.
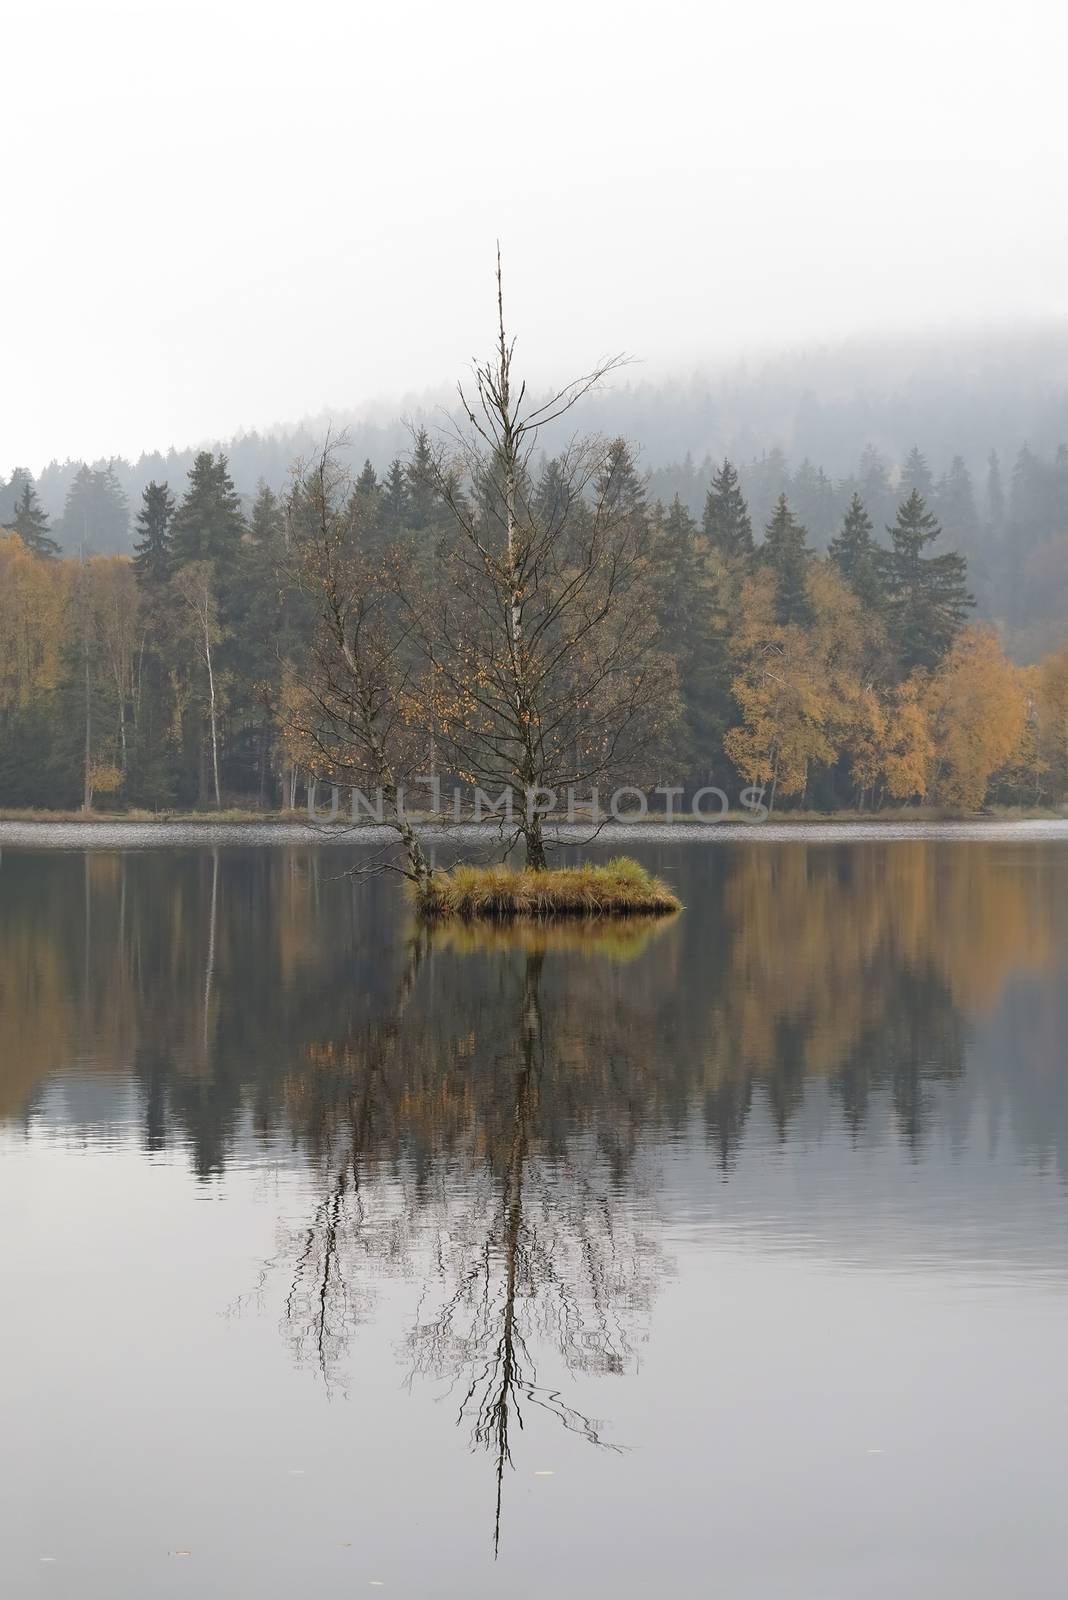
422,484
619,487
955,501
367,493
855,553
31,524
928,595
785,551
12,493
208,524
726,523
687,616
152,549
553,493
394,504
96,515
266,523
915,475
995,496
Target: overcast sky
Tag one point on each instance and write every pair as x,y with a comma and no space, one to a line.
227,215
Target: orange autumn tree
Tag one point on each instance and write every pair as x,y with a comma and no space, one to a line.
799,687
33,598
1050,682
891,750
977,708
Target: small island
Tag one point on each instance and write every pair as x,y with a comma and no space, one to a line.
619,888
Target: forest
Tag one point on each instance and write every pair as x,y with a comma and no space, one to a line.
189,673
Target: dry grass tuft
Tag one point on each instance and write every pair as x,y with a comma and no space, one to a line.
621,888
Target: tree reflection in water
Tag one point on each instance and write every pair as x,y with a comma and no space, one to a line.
470,1165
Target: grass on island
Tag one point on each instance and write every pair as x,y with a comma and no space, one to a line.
621,888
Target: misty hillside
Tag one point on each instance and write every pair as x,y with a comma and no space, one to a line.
989,414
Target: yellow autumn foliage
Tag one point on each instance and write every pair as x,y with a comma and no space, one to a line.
977,711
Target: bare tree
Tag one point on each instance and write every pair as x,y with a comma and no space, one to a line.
537,619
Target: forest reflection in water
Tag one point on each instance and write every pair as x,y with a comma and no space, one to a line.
481,1110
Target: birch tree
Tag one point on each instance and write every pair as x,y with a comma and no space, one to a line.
538,619
194,587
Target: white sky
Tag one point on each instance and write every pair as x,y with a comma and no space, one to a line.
231,214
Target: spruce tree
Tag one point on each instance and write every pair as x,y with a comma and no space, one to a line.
208,525
394,506
854,552
785,552
553,493
10,496
955,506
873,484
915,476
995,497
31,524
422,484
687,617
152,547
726,523
367,492
619,488
928,595
266,522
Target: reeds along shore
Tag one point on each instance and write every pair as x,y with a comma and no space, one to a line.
620,888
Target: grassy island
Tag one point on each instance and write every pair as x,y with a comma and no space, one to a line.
620,888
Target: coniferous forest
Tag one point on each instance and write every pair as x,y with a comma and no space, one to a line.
890,635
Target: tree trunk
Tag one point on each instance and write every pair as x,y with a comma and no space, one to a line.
214,730
535,843
87,789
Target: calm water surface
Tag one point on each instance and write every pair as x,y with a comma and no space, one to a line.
724,1256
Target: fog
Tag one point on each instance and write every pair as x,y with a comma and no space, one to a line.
231,215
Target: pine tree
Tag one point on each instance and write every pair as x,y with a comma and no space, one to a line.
686,614
422,484
266,522
96,515
553,494
928,595
619,488
854,552
152,548
31,524
812,492
367,495
678,572
995,499
394,506
873,484
785,552
955,506
208,524
10,496
726,523
915,476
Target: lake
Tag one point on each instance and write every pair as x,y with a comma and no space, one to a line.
727,1255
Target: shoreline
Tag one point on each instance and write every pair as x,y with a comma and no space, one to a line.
119,834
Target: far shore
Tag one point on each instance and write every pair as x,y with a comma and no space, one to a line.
919,816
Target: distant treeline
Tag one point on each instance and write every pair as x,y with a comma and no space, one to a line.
852,676
1009,518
